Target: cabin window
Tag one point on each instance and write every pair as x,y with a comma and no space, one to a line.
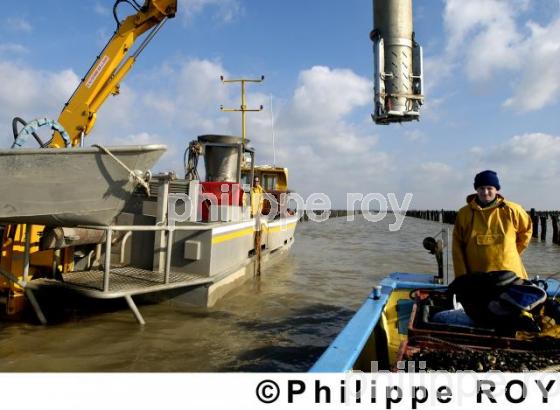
269,182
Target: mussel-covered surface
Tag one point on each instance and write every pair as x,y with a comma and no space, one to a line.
453,360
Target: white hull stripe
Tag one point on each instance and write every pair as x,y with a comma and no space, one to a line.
251,223
231,228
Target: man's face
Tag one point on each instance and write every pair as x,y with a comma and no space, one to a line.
486,194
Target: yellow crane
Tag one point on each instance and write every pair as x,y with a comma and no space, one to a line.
74,123
103,79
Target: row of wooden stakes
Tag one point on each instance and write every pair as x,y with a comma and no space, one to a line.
539,219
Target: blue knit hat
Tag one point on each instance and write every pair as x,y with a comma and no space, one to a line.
487,178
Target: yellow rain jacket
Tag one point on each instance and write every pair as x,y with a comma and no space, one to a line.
257,198
492,238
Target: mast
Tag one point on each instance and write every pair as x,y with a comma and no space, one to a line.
243,108
273,136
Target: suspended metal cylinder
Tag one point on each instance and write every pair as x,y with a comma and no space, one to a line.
397,63
62,237
222,157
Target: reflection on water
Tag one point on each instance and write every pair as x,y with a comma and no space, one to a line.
280,322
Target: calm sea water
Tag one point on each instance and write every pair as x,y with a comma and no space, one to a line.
280,322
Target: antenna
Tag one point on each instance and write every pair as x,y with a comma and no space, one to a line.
273,137
243,108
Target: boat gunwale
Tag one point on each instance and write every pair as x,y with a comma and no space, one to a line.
83,150
338,357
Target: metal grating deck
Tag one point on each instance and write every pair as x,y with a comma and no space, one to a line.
122,281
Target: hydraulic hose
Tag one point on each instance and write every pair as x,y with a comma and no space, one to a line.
34,125
132,3
15,122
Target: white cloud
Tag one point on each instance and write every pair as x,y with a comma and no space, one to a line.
327,95
437,68
224,10
533,147
18,24
191,98
120,115
317,139
539,84
487,38
480,19
434,184
12,48
31,93
528,168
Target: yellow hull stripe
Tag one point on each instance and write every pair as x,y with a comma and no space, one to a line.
231,235
248,231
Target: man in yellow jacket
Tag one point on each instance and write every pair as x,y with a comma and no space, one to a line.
257,196
490,233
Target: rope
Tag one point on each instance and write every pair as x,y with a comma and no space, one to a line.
193,152
131,173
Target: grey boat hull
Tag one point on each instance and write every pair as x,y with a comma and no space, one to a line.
69,187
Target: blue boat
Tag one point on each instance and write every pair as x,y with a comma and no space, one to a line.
377,336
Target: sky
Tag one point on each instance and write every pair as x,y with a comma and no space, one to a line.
491,85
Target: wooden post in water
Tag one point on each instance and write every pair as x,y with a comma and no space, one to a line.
543,227
535,221
554,220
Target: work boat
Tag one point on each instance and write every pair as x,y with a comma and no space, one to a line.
413,322
95,223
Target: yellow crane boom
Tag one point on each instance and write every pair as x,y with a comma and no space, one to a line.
79,114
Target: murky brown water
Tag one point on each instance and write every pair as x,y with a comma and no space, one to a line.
281,322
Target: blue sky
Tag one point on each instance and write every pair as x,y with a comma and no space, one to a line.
492,89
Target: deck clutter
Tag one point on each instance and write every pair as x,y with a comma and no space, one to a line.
446,338
409,319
